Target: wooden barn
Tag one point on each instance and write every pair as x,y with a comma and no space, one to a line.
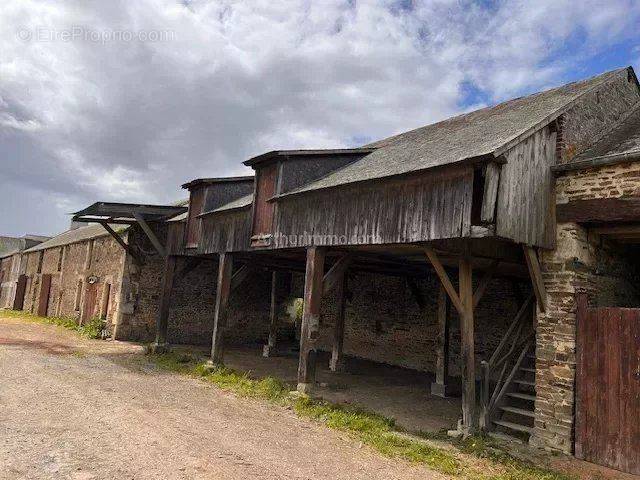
494,251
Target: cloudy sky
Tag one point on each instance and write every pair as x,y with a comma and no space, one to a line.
125,100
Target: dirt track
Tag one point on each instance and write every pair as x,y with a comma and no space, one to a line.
82,409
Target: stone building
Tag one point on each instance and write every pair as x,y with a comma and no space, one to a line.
464,249
11,249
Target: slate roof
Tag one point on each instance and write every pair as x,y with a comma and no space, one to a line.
624,139
12,245
238,203
481,133
73,236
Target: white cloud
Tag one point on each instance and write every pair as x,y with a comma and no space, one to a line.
91,110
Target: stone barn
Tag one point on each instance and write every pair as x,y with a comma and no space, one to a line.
11,249
491,254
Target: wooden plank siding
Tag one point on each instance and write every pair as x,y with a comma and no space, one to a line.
525,211
196,203
262,206
228,231
430,206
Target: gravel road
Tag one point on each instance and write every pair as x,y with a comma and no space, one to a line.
72,408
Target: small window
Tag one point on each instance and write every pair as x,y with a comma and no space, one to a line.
76,305
60,255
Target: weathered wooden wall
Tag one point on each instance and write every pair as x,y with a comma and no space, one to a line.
525,211
196,202
227,231
434,205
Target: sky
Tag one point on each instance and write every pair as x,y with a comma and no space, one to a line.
125,101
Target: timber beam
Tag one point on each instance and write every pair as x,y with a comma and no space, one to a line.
310,330
162,320
223,291
116,236
331,279
535,272
270,348
157,244
463,301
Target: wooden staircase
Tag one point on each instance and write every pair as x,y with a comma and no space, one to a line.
508,390
515,415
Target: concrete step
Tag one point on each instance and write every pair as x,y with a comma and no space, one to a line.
514,426
522,396
518,411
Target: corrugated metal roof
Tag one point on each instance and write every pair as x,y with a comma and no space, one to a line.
476,134
74,236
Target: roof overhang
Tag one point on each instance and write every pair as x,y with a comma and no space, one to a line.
594,162
301,153
126,213
211,181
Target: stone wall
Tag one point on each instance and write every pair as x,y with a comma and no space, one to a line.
9,271
582,262
70,266
384,323
192,301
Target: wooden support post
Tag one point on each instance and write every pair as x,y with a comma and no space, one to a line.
223,289
469,420
337,359
536,277
162,320
270,348
439,387
310,318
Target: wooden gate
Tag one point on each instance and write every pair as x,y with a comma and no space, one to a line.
89,305
21,290
45,290
608,386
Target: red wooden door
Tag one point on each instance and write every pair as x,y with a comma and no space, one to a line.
21,290
263,209
608,387
45,290
89,305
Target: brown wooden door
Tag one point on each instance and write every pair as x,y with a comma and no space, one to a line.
45,290
21,290
608,387
89,305
263,209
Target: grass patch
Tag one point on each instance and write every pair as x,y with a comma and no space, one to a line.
437,451
92,329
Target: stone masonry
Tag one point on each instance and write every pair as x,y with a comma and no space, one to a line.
581,262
